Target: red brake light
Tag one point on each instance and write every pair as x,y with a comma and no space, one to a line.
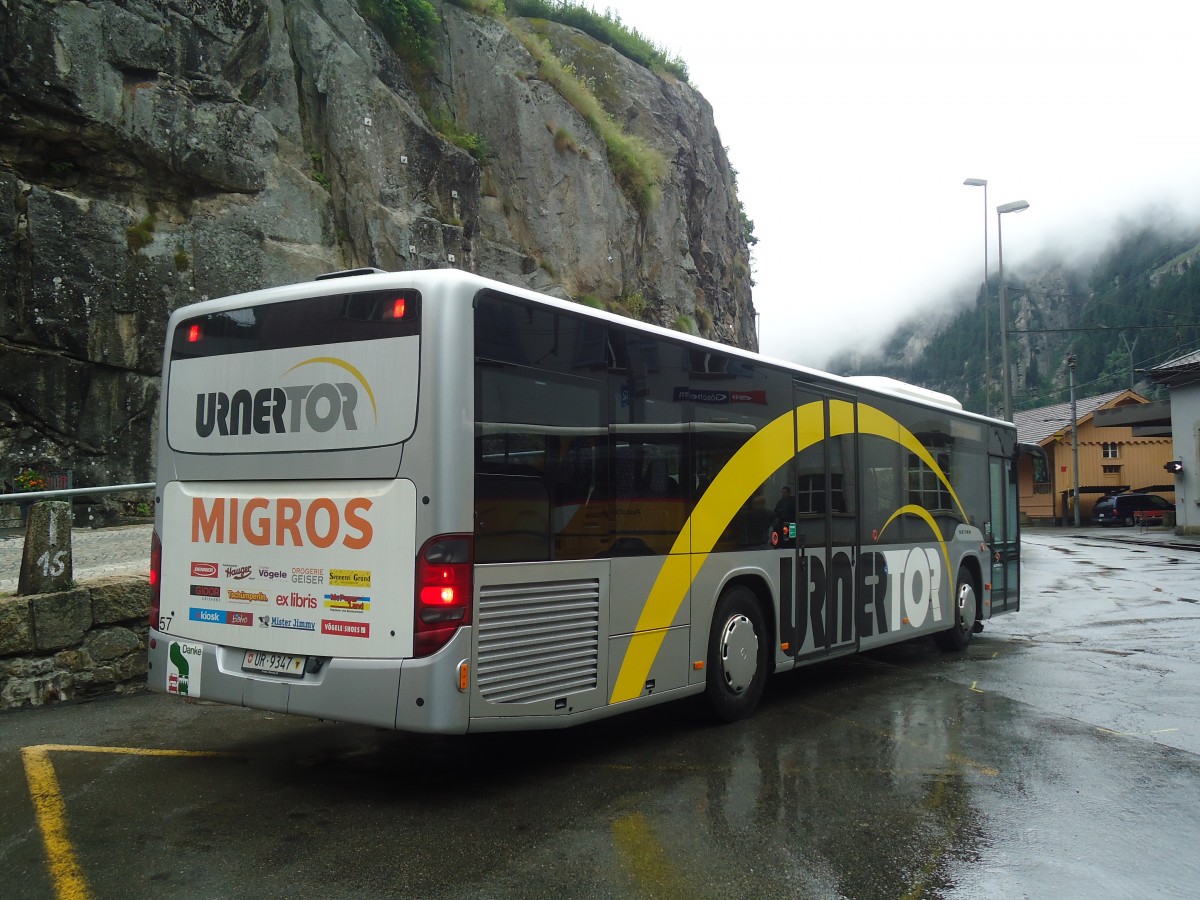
398,308
193,334
444,585
155,580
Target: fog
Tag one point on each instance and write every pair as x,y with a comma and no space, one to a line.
853,125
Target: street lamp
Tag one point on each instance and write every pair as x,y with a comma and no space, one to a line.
1074,433
987,328
1015,206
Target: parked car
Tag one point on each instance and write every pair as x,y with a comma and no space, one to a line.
1126,509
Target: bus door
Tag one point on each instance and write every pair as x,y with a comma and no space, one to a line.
1003,535
826,530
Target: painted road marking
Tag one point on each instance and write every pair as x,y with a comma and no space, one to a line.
639,848
51,810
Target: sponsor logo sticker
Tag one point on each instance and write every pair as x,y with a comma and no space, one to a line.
272,574
297,600
294,624
345,629
347,603
205,570
238,573
205,590
248,596
350,577
308,575
183,667
220,616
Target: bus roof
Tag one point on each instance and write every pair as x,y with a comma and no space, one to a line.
447,278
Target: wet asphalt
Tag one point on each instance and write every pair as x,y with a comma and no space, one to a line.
1058,757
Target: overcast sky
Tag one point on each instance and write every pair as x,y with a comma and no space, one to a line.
853,123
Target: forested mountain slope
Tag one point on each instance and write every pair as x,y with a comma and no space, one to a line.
1137,305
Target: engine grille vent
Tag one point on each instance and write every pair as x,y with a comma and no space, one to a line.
538,641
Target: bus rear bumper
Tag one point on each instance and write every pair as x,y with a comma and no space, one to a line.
408,694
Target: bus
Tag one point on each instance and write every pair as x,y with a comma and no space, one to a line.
432,502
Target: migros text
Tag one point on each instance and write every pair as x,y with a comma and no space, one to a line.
282,521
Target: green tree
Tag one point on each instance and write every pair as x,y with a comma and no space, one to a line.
408,27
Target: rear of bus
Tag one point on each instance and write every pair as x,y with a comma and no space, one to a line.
303,559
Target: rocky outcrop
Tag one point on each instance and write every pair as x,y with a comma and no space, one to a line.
157,153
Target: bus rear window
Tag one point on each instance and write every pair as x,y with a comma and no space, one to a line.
335,318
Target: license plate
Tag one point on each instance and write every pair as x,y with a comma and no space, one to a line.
275,663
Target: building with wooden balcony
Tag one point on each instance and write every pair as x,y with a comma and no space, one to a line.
1112,458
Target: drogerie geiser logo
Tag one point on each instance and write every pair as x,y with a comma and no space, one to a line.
288,408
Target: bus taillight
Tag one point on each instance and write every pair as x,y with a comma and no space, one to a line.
155,579
444,583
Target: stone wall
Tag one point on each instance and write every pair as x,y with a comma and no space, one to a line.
75,644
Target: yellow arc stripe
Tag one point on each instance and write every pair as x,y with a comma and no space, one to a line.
764,453
923,514
342,364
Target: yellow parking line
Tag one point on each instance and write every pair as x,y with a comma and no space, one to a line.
51,810
128,751
69,883
645,857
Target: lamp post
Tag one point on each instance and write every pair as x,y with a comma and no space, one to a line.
987,328
1074,434
1015,206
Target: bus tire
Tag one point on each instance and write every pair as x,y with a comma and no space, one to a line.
957,637
737,655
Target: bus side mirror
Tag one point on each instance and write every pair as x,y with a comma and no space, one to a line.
1175,466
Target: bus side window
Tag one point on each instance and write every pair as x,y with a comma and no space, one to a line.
512,518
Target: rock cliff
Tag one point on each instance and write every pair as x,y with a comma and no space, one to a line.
159,152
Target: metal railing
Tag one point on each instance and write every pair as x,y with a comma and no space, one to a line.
75,492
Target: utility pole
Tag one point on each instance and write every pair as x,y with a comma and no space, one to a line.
1129,349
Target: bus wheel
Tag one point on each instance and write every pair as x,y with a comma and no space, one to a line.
737,656
966,613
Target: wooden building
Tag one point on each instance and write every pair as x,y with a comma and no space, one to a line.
1111,459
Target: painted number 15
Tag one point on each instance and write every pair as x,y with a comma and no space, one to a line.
52,565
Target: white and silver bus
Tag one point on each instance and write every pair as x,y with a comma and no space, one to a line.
433,502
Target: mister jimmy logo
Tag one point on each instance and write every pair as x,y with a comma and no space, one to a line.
287,408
